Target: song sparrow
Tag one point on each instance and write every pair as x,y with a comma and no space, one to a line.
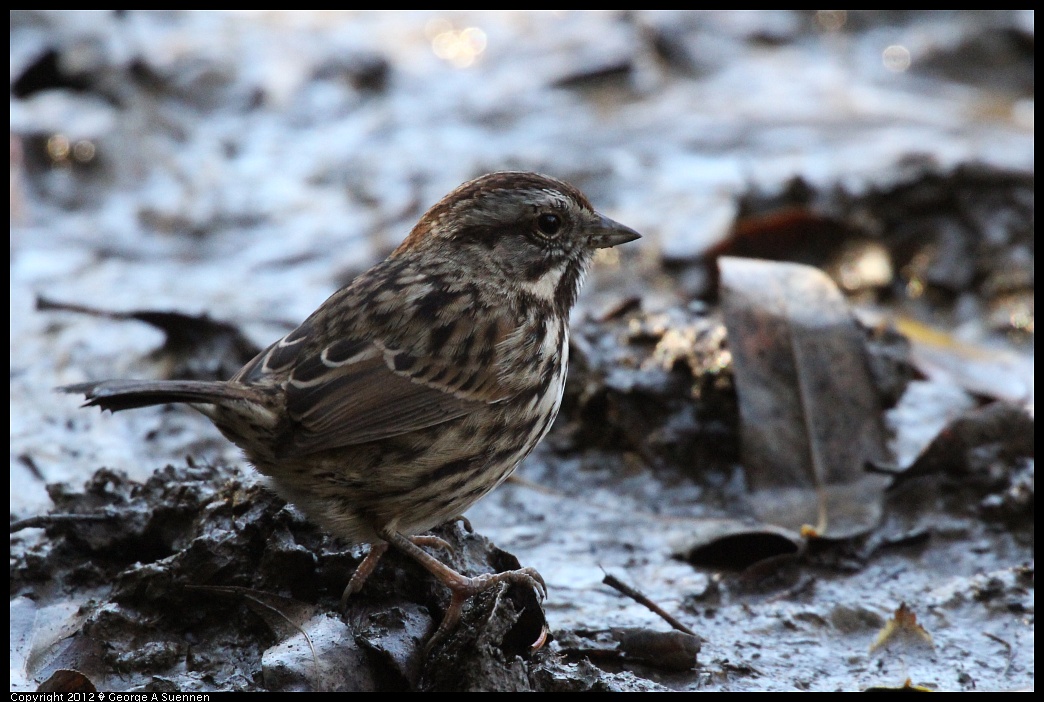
419,387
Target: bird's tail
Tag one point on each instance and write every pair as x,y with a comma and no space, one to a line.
117,395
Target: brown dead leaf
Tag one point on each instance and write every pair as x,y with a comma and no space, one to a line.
902,630
810,412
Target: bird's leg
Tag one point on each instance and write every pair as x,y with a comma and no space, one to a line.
431,540
363,572
461,587
369,564
464,522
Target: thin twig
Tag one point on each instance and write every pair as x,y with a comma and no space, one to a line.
615,583
43,521
1005,644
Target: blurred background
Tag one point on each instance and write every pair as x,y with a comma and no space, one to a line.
247,164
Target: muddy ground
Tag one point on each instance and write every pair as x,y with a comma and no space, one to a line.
245,165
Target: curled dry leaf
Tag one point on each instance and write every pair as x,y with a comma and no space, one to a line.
902,630
734,543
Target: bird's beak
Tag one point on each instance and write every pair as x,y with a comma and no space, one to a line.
606,232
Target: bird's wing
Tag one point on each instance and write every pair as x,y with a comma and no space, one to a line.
354,391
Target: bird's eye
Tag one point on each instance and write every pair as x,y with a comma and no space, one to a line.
549,223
